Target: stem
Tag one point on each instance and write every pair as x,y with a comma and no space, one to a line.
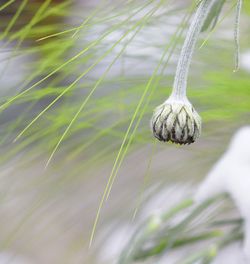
237,34
180,82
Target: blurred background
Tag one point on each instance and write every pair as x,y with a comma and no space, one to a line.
79,81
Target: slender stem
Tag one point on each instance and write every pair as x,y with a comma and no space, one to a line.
180,82
237,34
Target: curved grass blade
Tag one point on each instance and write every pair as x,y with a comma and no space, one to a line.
70,86
180,31
216,26
94,88
2,7
106,191
14,19
92,44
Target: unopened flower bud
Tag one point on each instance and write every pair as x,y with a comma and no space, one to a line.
176,121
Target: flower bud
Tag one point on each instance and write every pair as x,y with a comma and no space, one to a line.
176,121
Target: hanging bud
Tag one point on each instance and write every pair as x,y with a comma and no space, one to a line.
176,121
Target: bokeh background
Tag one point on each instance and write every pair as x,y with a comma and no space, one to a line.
78,84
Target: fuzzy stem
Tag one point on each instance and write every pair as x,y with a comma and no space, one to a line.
180,82
237,34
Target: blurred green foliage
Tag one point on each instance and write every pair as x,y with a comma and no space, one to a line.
77,103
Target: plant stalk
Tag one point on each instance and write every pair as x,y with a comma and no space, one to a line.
180,82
